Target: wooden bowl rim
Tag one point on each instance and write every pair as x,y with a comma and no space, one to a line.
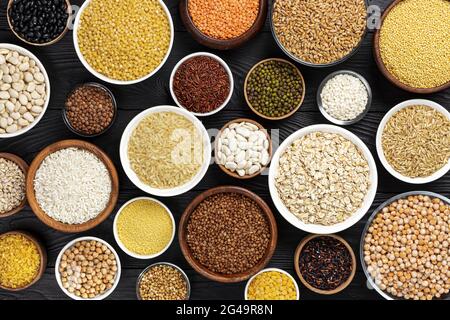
293,110
42,254
24,167
222,277
234,174
218,43
381,66
69,19
298,251
64,227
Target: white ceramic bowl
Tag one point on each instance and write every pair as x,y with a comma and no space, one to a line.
223,63
313,228
132,175
124,248
267,270
47,85
438,174
70,244
105,78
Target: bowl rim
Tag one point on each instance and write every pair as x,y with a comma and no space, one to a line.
71,244
115,81
23,165
25,52
293,111
297,290
331,118
310,64
223,278
413,102
374,213
122,245
123,150
57,225
216,144
96,85
42,255
222,63
369,197
141,275
298,251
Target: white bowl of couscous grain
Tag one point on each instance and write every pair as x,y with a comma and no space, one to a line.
131,43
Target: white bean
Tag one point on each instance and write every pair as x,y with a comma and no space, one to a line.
12,128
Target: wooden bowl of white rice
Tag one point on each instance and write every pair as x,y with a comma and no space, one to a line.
72,186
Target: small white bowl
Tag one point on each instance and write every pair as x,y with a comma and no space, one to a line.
70,244
103,77
124,248
268,270
47,85
438,174
320,229
132,175
223,63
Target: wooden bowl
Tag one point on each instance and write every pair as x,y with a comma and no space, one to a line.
299,274
263,115
42,254
24,167
69,20
225,278
385,71
234,174
218,44
64,227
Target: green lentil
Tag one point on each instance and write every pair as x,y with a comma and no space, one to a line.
274,88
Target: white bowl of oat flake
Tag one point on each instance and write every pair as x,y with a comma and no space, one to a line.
323,179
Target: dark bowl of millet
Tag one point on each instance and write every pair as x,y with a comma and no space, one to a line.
90,110
39,22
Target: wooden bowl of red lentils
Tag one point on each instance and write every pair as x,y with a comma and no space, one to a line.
223,24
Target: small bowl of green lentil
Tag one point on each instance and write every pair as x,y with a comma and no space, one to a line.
274,89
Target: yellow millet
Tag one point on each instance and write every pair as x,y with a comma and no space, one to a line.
415,42
272,285
144,227
19,261
124,39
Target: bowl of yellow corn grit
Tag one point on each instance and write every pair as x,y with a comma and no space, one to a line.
123,42
272,284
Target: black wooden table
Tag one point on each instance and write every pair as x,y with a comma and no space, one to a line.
66,71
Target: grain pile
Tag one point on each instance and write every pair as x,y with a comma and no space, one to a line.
163,282
12,185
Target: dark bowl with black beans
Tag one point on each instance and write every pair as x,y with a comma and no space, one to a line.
39,22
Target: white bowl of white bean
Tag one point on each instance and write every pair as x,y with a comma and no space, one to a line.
24,90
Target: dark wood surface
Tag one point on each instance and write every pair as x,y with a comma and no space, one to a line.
66,71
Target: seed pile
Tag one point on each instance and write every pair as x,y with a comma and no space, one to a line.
319,32
72,186
274,88
88,269
23,91
144,227
406,248
39,21
272,285
325,263
201,84
344,97
228,233
165,150
12,185
116,40
19,261
90,109
223,19
416,141
163,282
243,148
322,178
414,42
